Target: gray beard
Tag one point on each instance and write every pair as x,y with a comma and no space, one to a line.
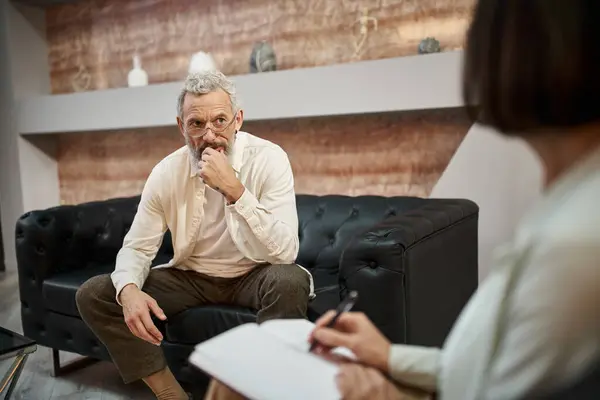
196,152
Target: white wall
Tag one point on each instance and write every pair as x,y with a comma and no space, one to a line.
503,176
11,202
28,173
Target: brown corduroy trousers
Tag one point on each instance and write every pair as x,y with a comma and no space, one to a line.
275,291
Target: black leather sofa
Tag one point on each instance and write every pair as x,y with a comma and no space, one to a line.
413,261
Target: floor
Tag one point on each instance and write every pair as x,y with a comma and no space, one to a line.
99,381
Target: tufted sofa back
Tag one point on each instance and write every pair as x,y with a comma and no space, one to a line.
328,223
68,238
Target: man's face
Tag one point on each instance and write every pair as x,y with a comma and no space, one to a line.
208,121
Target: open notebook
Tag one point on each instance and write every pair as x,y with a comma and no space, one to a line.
270,362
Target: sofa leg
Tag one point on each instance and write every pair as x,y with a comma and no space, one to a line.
70,366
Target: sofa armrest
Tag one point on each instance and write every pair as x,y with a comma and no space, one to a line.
415,272
67,238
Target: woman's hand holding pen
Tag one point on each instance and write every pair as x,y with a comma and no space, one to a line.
356,332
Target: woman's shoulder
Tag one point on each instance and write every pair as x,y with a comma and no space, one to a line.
577,219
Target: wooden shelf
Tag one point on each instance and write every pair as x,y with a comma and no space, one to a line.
396,84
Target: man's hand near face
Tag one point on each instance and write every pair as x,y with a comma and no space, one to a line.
217,173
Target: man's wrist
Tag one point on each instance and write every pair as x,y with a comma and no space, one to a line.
126,289
234,192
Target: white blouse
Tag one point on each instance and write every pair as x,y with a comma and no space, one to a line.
534,323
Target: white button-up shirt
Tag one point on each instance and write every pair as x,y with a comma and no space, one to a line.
534,323
263,223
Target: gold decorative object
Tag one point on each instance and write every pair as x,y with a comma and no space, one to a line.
82,79
363,20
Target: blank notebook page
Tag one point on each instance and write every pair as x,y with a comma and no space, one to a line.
293,331
296,332
262,367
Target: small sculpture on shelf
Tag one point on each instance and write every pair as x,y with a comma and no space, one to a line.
137,76
363,20
429,45
82,79
202,61
263,58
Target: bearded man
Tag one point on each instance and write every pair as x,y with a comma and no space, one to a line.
228,199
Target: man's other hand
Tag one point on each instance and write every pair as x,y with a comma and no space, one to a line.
136,310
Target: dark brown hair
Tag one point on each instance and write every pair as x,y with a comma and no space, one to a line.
533,65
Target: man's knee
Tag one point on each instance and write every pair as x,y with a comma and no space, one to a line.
290,280
284,293
93,292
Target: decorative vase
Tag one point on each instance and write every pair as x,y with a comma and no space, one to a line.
137,76
202,61
429,45
262,58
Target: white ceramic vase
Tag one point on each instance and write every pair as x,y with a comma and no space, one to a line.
202,61
137,76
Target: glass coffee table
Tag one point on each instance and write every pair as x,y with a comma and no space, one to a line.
18,346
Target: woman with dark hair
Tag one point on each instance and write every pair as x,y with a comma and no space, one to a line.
533,327
531,69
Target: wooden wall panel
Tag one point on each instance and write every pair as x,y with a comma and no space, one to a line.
91,42
98,166
386,154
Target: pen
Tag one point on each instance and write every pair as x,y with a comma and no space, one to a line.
345,306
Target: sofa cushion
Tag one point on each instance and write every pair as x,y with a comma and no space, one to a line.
198,324
59,296
59,290
201,323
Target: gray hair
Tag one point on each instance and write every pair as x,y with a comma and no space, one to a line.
204,82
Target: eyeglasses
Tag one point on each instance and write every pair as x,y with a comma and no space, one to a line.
196,130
